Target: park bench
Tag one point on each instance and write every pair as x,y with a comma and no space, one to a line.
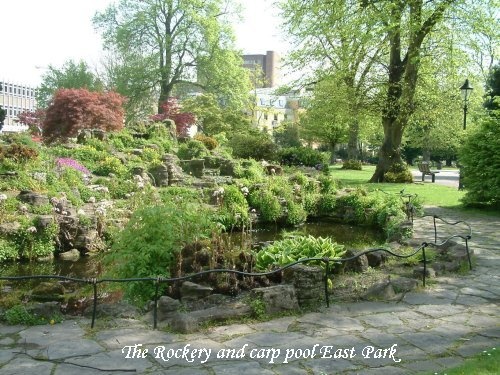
425,169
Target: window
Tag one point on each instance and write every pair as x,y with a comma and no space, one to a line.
285,116
275,117
265,116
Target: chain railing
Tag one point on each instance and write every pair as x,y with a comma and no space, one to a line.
327,263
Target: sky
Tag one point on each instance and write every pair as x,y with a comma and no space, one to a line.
39,33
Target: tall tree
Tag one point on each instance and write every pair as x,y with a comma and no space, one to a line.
407,24
179,43
340,42
72,75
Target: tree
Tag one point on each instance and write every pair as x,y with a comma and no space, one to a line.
341,44
212,117
492,100
72,110
33,119
171,110
407,24
71,75
178,43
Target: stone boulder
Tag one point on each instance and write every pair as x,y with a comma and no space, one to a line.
167,307
160,175
190,290
193,167
46,310
381,291
308,283
277,298
33,198
71,255
9,229
376,258
358,264
114,310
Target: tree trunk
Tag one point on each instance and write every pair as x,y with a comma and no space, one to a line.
352,145
426,155
390,152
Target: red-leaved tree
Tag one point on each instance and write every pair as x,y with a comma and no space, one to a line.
33,119
171,110
73,110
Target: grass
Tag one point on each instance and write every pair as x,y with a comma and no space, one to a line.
486,363
431,194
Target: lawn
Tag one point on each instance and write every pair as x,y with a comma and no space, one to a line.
431,194
486,363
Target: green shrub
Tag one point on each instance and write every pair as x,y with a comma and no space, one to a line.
398,173
180,194
352,164
302,156
234,208
480,156
209,142
149,242
110,165
266,203
295,213
192,149
8,250
251,170
253,146
294,248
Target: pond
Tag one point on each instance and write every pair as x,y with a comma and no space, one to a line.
88,267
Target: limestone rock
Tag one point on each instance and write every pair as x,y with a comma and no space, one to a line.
72,255
191,290
167,307
114,310
376,258
380,291
33,198
7,229
308,283
358,264
277,298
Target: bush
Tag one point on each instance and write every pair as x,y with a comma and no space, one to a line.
398,173
192,149
110,164
480,157
149,242
267,204
352,164
253,146
72,110
234,208
18,152
302,156
209,142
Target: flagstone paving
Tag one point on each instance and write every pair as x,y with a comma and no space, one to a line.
427,331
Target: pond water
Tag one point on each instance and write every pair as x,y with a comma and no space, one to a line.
88,267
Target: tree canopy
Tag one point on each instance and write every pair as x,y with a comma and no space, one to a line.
72,75
169,46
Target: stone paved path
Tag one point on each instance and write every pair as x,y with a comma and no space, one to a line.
428,331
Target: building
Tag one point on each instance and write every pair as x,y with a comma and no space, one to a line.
15,99
265,70
270,110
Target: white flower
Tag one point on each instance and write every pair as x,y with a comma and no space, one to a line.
31,230
3,197
92,200
81,212
100,211
23,208
244,190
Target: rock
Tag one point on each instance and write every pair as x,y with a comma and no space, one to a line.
380,291
167,307
277,298
191,290
9,229
72,255
404,284
99,134
184,323
48,291
33,198
137,151
358,264
376,258
114,310
44,221
88,240
419,271
193,167
308,283
160,175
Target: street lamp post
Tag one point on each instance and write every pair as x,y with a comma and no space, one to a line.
466,90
